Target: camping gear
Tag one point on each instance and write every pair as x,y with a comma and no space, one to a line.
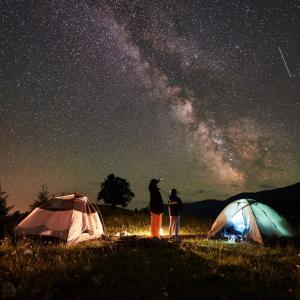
71,218
247,218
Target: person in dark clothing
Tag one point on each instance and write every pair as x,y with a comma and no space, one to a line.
156,208
175,212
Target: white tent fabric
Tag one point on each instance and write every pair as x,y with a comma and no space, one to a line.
70,218
251,219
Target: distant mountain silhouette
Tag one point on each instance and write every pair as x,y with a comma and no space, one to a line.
285,200
209,208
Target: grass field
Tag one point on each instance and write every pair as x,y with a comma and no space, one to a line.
141,268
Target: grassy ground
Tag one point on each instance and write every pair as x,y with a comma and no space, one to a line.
119,220
141,268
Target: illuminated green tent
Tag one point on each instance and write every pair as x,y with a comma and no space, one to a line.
246,218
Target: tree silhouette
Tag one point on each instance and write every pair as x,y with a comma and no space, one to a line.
43,196
115,191
4,209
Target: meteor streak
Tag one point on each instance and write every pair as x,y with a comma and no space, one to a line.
285,63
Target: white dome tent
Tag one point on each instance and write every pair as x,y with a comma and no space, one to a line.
246,218
71,218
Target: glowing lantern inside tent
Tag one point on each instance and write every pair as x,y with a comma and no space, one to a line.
239,222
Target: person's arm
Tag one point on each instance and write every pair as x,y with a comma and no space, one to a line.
180,204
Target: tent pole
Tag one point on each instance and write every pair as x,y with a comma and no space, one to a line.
267,216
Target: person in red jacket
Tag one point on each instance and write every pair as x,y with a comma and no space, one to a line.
156,208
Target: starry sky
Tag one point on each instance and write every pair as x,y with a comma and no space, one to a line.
197,92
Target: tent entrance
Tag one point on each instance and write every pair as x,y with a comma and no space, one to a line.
237,226
239,222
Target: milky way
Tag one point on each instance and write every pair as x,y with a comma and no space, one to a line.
194,91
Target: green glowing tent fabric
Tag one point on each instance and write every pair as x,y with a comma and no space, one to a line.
246,218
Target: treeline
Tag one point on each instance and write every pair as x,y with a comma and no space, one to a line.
114,190
7,221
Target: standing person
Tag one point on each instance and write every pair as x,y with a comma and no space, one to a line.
156,208
175,211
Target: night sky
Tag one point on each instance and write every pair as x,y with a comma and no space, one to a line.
194,91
